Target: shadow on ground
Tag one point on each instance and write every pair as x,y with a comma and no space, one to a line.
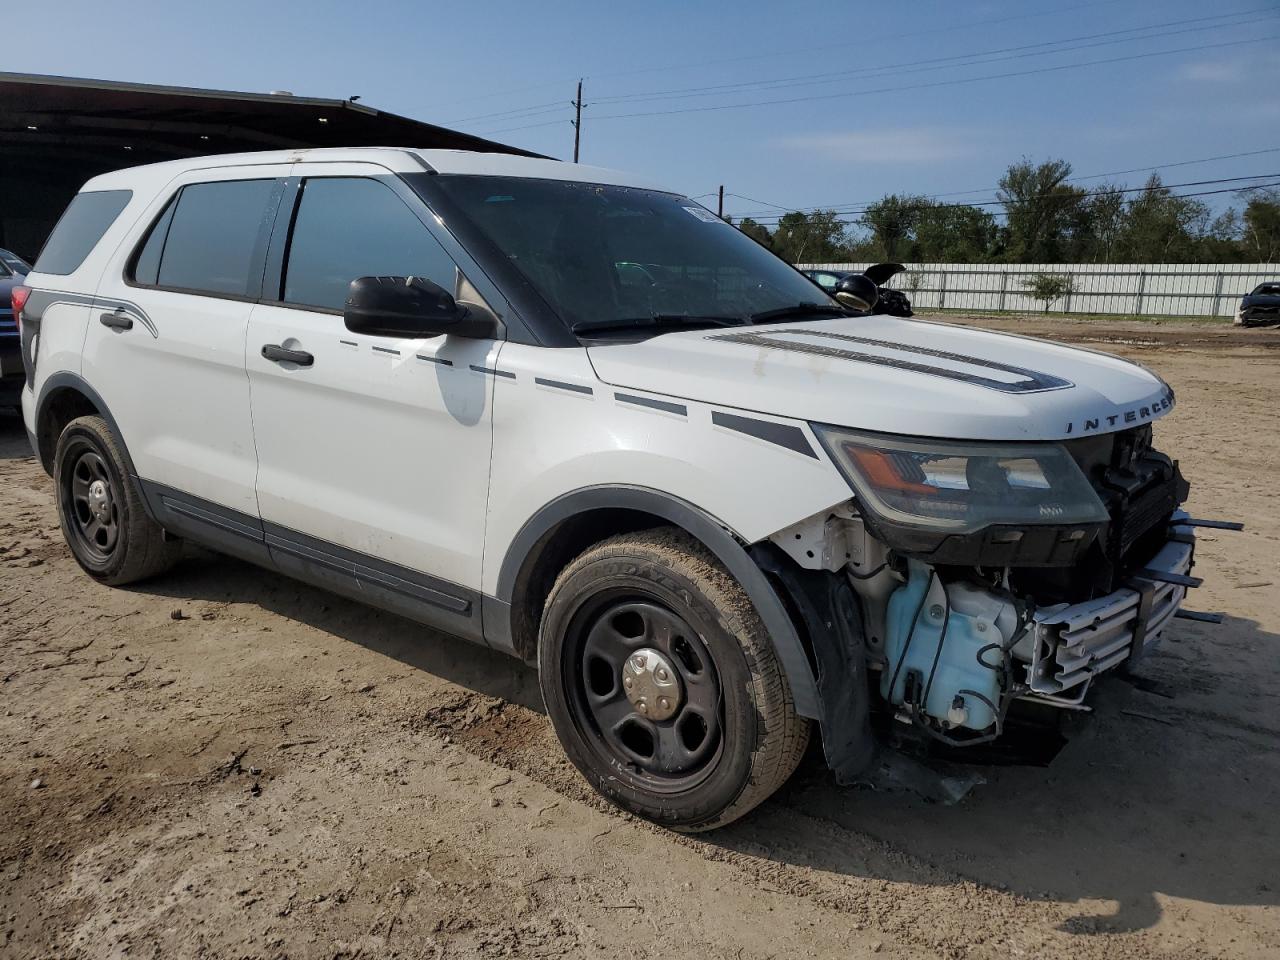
1150,798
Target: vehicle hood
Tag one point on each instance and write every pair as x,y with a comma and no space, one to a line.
881,273
892,375
1260,300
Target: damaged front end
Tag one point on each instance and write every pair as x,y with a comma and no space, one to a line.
967,582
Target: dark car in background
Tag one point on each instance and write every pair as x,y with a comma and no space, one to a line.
12,271
1261,307
895,303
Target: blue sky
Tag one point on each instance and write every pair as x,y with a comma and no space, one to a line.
838,143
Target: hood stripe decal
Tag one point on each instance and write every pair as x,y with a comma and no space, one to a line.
1032,381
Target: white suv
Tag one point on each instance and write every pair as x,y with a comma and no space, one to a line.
576,417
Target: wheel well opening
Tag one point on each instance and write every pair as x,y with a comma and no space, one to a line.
60,408
552,553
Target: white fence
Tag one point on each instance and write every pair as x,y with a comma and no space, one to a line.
1159,289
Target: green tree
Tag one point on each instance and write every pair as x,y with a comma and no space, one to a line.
1044,211
892,221
1048,287
816,237
1261,219
953,233
1162,227
1104,224
756,231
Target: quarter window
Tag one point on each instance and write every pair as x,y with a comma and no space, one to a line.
147,267
206,239
79,229
351,227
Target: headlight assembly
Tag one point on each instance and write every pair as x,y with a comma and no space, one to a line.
959,488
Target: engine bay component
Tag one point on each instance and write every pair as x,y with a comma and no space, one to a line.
944,647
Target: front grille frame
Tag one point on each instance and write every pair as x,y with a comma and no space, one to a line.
1074,643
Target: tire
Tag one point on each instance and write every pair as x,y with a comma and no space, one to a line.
732,736
100,508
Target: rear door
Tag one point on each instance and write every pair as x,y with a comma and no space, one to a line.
165,345
374,451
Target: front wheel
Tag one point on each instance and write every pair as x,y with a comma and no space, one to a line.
663,685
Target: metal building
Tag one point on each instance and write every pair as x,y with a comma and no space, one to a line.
57,132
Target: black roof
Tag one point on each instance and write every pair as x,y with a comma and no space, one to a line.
57,132
101,118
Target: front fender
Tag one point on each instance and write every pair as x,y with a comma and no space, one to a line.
708,530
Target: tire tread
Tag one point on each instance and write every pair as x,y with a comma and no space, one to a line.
782,735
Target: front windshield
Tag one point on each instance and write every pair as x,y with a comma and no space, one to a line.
603,255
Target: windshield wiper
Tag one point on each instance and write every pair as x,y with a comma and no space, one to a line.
658,320
798,310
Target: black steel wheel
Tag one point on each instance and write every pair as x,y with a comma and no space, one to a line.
100,508
663,685
646,685
90,501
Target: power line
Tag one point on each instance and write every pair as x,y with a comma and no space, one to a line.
960,193
948,62
764,202
508,113
1125,190
956,61
917,86
703,63
808,50
952,62
942,83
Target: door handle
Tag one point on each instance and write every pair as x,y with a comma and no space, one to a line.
273,351
116,321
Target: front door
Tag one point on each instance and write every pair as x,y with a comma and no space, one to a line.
373,452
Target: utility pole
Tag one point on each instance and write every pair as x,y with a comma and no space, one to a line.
720,205
577,121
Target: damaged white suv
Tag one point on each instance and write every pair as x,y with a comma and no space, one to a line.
576,417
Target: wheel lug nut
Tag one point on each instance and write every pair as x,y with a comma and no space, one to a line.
662,674
642,706
628,682
664,703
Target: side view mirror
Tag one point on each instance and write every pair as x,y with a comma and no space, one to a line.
408,307
857,291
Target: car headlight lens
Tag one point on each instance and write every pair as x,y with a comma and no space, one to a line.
962,487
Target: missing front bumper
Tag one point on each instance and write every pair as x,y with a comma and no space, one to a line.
1071,644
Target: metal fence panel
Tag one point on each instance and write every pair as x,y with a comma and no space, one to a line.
1162,289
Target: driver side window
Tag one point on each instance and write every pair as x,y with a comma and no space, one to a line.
351,227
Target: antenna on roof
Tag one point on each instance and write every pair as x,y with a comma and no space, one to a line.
282,93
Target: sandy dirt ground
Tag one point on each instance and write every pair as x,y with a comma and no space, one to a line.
224,763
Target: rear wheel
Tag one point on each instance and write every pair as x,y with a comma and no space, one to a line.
662,684
100,508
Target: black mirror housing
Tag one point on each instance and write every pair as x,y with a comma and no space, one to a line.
857,291
408,307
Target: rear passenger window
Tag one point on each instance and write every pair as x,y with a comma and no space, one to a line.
79,230
349,227
207,239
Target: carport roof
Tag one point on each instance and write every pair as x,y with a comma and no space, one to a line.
122,124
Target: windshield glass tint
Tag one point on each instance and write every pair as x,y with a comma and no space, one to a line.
599,254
